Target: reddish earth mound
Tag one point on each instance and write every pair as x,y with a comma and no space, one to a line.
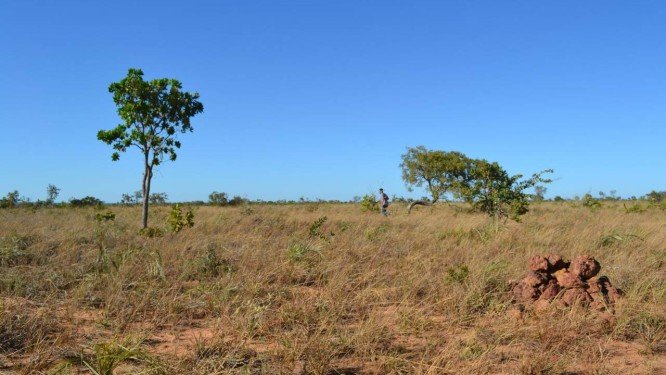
551,279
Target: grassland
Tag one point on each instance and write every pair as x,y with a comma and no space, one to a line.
262,289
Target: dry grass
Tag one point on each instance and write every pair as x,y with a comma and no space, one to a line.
259,290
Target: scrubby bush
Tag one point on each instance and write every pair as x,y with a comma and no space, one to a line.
151,232
105,216
591,202
369,203
88,201
177,221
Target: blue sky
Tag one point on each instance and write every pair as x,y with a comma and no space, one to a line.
320,98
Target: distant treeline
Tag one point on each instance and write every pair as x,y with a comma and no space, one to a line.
14,199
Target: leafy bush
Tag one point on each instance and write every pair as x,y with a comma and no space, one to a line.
634,208
177,221
300,251
369,203
315,228
590,202
151,232
105,216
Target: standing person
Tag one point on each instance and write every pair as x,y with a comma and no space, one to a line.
383,202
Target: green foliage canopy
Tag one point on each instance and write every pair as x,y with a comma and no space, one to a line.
152,113
483,184
440,171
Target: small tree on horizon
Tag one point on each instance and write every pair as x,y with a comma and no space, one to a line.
217,198
152,114
52,192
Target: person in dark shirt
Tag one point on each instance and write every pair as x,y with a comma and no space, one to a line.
383,202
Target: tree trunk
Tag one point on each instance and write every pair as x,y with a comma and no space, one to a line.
417,203
147,175
421,203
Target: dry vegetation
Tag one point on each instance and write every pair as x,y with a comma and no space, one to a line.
260,289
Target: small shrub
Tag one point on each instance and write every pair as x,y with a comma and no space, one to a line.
369,203
299,251
457,273
590,202
105,216
344,225
315,228
151,232
107,357
634,208
176,220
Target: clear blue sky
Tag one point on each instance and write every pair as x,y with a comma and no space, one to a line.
320,98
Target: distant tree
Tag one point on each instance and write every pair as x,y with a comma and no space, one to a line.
152,114
558,199
86,201
492,190
655,196
540,193
483,184
237,201
127,199
158,198
218,198
440,171
10,200
52,192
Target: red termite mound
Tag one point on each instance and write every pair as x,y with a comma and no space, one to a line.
551,279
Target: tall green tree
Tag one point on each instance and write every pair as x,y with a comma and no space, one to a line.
440,171
485,185
492,190
152,113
